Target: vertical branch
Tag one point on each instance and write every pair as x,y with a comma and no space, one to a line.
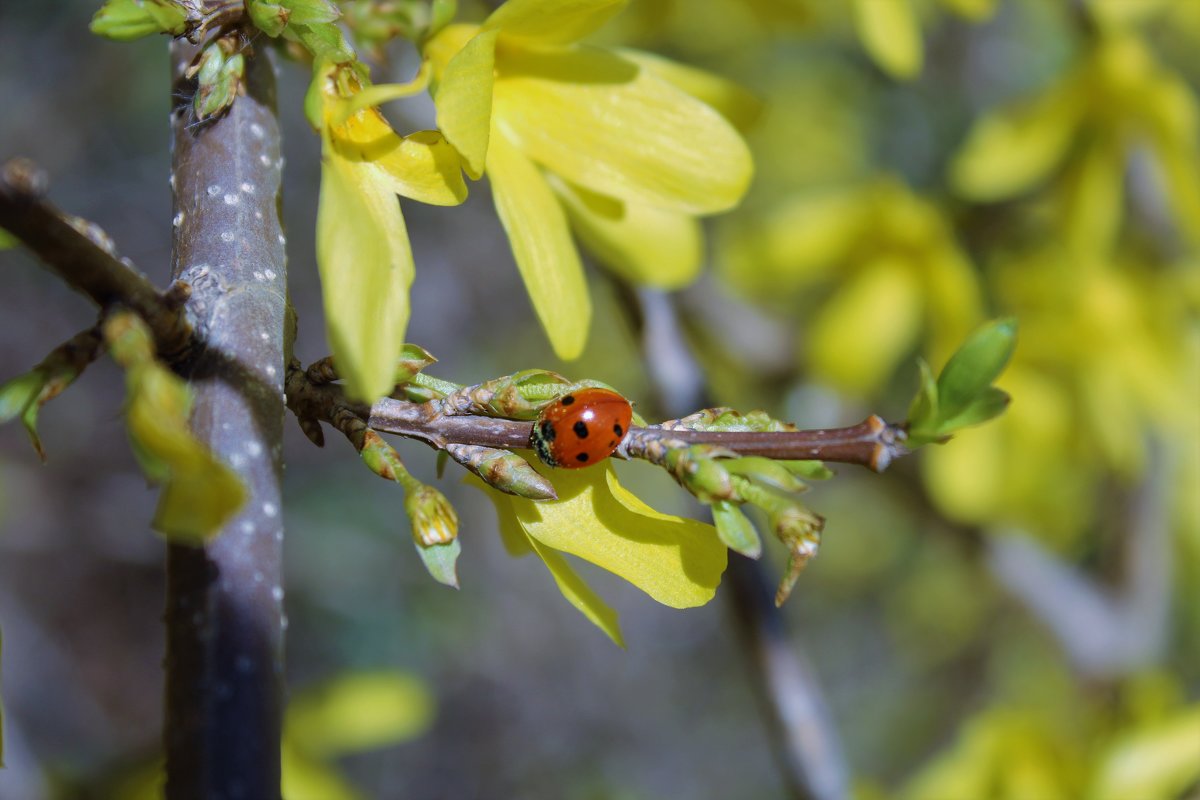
802,732
224,601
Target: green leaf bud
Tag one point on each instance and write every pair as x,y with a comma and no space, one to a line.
503,470
735,529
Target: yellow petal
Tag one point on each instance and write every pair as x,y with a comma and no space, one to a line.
871,322
542,247
676,561
366,269
891,34
573,588
552,21
578,593
736,104
604,123
644,245
1010,150
421,166
464,94
425,167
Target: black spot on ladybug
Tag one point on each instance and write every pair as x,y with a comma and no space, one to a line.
567,399
580,429
618,431
547,430
582,457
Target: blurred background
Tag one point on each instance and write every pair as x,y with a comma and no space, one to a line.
1012,615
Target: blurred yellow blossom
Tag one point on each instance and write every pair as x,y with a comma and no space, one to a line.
882,265
1117,103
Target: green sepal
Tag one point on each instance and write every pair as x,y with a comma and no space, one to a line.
441,561
735,529
20,398
765,471
807,469
126,20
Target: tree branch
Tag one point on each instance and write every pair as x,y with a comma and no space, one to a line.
224,611
872,443
85,257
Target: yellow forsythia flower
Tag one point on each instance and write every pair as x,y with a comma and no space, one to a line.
363,252
569,133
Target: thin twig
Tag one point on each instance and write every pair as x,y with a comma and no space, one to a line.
872,443
84,256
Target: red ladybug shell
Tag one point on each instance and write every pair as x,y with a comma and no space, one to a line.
581,428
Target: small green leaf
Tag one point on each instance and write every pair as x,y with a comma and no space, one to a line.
19,399
974,366
359,711
923,409
441,561
988,405
736,530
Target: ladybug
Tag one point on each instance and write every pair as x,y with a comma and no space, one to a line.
581,428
